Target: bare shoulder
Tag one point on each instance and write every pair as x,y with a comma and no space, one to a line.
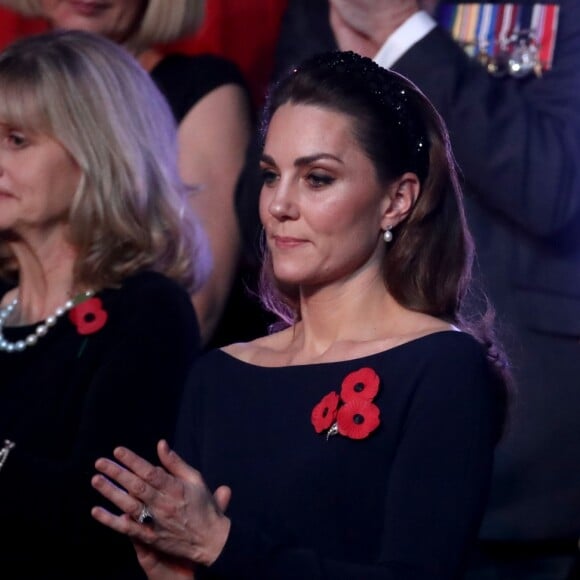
420,325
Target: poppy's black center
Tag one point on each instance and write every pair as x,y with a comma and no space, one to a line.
358,419
359,387
325,412
89,317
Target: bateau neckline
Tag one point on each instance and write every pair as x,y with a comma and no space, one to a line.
393,349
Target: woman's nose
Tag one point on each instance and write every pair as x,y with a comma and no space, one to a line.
283,204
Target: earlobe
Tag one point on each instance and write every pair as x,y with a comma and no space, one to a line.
401,199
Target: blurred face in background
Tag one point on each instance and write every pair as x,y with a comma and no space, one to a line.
115,19
429,6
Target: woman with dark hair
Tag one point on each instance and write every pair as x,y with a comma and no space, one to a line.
357,440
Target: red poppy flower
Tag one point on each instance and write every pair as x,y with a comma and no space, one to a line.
324,413
361,384
89,316
357,418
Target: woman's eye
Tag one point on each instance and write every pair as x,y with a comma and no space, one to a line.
268,176
319,179
15,140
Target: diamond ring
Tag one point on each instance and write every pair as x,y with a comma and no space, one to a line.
145,517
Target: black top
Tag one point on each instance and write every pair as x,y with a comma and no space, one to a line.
184,80
70,399
405,502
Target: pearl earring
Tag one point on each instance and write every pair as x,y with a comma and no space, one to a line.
388,235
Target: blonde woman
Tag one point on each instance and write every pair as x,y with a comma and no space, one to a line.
210,102
102,251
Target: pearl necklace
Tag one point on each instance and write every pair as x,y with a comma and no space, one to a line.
41,329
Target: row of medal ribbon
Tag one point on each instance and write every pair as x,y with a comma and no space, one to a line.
508,39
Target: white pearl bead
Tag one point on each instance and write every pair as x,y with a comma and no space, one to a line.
40,330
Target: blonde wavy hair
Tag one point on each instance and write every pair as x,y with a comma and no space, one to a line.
163,20
131,210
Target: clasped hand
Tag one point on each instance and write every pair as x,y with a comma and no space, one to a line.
189,525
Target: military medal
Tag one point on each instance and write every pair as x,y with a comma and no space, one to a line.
507,39
523,55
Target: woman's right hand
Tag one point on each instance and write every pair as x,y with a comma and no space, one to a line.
188,521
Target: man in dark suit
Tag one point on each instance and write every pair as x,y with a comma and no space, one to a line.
515,129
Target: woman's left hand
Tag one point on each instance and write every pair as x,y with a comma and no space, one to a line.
188,521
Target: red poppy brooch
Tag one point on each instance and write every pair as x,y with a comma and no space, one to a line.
89,316
352,413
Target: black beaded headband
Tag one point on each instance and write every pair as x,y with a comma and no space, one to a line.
388,89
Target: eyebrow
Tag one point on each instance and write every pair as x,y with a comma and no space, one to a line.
306,160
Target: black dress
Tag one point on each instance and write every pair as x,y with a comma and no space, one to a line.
72,398
403,502
184,80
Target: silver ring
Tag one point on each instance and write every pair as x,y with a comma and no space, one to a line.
145,517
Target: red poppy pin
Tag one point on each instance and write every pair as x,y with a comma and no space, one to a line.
352,414
89,316
324,414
